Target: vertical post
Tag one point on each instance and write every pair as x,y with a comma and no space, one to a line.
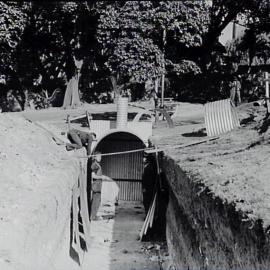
122,112
156,101
267,92
156,85
163,72
234,30
162,90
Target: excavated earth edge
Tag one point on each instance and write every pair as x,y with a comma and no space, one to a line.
203,232
218,216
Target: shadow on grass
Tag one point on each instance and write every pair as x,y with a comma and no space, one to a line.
199,133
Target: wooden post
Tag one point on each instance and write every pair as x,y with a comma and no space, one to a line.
156,85
234,30
267,92
162,90
72,98
163,73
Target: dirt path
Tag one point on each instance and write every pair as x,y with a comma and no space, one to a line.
114,244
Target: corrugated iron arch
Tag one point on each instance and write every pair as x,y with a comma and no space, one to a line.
106,134
127,168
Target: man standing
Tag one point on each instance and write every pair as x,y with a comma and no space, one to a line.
149,178
235,91
107,194
97,178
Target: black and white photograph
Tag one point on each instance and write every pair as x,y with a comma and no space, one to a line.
135,135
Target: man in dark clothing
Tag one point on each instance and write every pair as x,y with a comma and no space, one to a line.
235,94
79,139
148,180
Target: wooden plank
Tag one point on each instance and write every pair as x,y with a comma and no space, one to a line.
151,215
144,224
153,212
267,92
77,117
167,117
149,218
75,210
180,146
88,119
83,200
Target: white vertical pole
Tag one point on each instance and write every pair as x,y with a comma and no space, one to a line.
156,85
162,90
163,73
267,91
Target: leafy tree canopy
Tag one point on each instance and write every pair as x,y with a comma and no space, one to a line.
12,24
134,34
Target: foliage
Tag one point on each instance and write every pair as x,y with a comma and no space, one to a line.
255,43
12,24
134,35
55,36
126,43
186,67
138,59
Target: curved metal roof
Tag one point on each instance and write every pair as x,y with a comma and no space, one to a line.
113,131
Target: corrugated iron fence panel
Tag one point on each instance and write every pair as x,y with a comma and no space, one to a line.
130,190
220,117
126,169
126,166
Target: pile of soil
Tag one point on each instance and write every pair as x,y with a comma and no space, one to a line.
35,186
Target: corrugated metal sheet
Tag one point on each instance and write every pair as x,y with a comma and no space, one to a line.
101,127
126,169
220,117
122,112
130,191
126,166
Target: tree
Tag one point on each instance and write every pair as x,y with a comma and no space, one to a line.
12,24
56,36
138,36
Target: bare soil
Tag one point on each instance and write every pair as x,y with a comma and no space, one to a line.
234,167
115,244
35,197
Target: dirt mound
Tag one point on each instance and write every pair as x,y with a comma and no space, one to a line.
35,185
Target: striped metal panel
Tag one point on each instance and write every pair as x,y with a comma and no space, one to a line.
126,169
126,166
130,191
122,112
220,117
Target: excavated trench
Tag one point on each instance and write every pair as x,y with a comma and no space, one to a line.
203,232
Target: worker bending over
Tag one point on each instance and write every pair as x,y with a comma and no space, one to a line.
79,139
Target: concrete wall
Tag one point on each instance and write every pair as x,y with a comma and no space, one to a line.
205,233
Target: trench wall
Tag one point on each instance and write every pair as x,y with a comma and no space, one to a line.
204,232
36,182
